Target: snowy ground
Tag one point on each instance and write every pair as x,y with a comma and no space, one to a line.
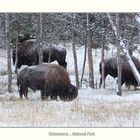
92,108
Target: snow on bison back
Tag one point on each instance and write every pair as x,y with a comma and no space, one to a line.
51,79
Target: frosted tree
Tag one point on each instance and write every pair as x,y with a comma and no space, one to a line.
84,64
90,59
74,51
8,52
119,91
40,44
125,51
103,55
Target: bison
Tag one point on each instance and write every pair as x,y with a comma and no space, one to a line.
51,79
127,74
27,54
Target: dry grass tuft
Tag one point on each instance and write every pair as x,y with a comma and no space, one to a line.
16,112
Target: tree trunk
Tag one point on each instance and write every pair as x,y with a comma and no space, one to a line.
74,53
16,55
8,52
16,45
84,63
102,57
119,90
40,40
103,65
90,59
125,51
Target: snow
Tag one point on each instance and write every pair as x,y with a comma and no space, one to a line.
59,47
92,107
138,18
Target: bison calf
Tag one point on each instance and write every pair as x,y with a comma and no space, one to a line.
51,79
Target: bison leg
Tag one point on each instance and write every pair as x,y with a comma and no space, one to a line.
54,97
100,84
22,91
26,94
43,95
136,87
20,95
122,81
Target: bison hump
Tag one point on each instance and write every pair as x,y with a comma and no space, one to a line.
51,73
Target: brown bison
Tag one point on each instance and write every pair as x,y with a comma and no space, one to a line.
27,54
51,79
127,74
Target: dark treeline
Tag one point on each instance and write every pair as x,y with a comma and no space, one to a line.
57,27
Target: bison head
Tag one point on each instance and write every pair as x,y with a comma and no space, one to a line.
69,93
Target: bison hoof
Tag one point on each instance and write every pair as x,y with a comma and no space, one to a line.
21,97
43,98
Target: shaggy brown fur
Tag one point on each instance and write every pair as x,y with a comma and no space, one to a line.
53,80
